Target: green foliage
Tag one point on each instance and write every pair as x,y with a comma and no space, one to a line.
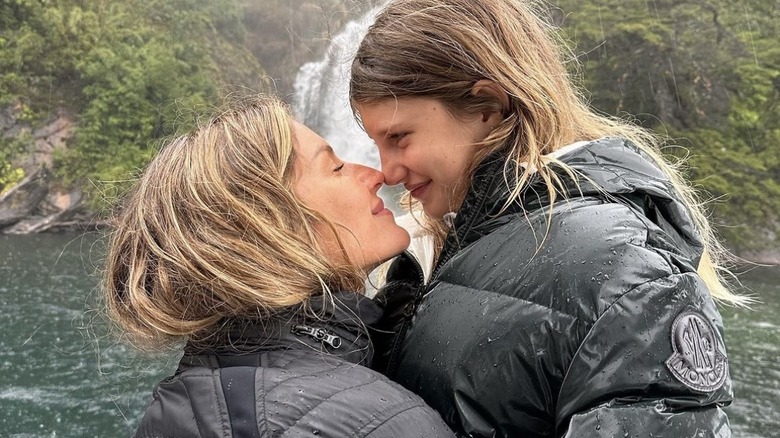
708,73
135,71
10,174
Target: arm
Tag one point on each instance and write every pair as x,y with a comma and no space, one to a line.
653,364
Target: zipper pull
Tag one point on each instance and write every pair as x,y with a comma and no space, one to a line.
319,334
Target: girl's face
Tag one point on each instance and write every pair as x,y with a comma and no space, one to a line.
346,194
425,148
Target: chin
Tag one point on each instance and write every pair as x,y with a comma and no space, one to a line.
403,240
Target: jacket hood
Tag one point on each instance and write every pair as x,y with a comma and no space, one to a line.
618,170
610,168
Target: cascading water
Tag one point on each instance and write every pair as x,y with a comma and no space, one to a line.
322,96
321,102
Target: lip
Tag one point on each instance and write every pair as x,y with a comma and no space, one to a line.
418,190
379,208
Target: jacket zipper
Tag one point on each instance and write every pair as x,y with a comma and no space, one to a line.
319,334
449,251
412,307
409,312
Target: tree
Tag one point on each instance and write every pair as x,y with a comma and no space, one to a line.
134,71
706,72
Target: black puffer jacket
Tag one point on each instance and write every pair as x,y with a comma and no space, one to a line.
589,322
288,379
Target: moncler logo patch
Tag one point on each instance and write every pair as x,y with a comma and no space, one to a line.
698,360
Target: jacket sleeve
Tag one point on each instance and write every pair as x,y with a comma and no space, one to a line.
653,364
415,420
170,404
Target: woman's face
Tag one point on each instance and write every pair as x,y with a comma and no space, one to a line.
424,147
346,194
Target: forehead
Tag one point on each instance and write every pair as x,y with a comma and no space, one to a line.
380,117
307,143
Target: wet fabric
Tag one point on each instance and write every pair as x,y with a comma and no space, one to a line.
296,376
584,318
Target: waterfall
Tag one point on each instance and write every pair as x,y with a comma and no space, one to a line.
321,99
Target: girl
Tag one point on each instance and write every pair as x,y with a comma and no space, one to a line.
570,287
250,238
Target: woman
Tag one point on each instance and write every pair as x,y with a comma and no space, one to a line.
574,275
249,238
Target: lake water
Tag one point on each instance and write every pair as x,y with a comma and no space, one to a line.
63,377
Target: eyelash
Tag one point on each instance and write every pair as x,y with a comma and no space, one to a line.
397,137
338,169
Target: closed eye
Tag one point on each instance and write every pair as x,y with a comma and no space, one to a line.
338,169
397,137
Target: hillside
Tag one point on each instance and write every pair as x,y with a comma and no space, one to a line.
90,87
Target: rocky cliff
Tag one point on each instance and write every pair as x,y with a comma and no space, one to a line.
37,203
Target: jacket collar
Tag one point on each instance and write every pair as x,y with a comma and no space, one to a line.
480,211
335,327
609,168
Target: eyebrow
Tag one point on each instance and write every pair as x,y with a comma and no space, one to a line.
391,126
322,148
387,131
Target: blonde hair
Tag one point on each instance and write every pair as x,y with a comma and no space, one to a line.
439,49
213,230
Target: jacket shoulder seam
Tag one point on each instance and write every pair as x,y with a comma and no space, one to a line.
264,429
534,303
402,408
326,399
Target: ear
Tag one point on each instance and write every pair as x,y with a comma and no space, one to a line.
486,87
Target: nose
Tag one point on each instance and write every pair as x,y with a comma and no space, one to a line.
372,178
392,169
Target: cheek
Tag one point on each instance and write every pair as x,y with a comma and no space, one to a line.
452,163
429,158
345,207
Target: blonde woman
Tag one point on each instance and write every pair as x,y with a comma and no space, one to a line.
250,239
572,284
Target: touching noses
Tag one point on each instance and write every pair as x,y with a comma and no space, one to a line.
372,178
391,168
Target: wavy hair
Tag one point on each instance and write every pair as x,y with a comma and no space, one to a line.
439,49
213,230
